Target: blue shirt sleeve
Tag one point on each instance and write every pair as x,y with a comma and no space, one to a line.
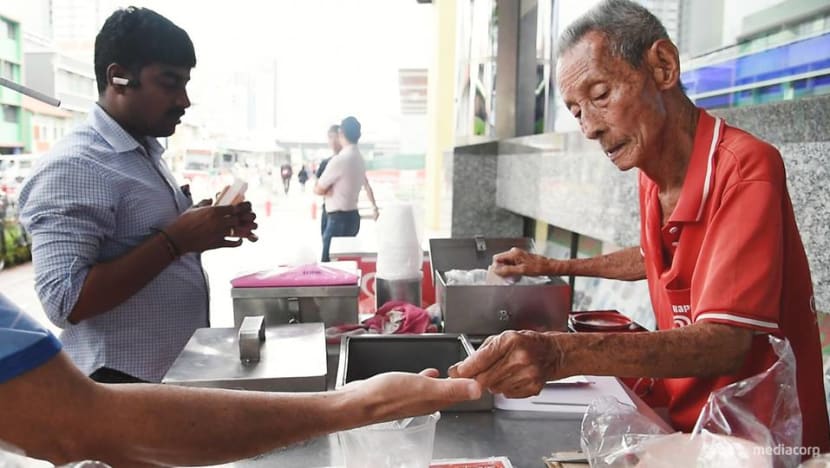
67,208
24,344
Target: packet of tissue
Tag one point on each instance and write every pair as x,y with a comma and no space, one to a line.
495,280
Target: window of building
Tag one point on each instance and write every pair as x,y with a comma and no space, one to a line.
7,30
7,70
10,113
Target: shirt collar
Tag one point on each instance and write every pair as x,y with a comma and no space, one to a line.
700,172
118,138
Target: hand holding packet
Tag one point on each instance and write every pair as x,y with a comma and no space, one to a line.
232,194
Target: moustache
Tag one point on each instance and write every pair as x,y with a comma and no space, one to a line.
177,113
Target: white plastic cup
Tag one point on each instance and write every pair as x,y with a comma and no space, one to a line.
396,226
398,444
399,253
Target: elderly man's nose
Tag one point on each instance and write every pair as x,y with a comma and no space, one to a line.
592,128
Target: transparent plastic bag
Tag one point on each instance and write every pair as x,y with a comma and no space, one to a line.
754,422
13,457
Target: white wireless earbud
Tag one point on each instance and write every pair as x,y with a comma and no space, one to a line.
118,81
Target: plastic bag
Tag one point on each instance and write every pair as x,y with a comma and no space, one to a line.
479,277
748,423
12,457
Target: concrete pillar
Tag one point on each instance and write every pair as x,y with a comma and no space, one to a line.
440,106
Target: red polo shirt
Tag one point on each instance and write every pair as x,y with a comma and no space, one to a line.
730,253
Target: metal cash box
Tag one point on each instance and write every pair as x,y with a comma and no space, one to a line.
307,303
364,356
332,305
481,310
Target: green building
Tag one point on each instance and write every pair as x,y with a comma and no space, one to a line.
11,114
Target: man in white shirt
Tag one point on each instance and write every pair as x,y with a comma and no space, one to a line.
341,182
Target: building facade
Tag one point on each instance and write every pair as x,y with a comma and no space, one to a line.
11,58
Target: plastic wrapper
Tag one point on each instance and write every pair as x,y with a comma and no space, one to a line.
480,277
12,457
752,422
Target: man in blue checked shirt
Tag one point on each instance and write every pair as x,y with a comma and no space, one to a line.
116,242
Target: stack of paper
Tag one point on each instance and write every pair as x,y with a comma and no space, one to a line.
568,397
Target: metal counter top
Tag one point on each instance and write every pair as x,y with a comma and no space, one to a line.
523,437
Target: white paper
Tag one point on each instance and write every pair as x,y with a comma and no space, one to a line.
570,401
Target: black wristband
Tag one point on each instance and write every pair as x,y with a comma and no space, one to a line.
171,246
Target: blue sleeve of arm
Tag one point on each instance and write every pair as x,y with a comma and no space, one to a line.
68,209
24,345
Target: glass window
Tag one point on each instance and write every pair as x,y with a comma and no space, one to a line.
7,70
10,113
9,30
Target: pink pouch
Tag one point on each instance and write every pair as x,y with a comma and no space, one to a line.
415,319
304,275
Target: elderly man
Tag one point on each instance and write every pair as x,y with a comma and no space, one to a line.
719,243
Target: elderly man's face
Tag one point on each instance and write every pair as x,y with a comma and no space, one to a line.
615,104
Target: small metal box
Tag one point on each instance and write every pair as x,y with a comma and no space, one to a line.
332,305
364,356
481,310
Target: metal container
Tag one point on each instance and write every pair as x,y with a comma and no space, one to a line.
286,358
364,356
406,290
481,310
332,305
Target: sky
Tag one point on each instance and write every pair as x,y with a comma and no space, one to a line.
334,57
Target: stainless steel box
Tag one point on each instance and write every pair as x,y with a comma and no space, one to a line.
332,305
481,310
292,358
364,356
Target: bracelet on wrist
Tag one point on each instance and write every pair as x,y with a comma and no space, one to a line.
171,246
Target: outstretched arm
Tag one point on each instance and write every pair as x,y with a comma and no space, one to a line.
148,425
626,264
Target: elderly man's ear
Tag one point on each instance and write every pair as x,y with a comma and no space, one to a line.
663,59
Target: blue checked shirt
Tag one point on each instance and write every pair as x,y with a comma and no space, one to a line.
94,197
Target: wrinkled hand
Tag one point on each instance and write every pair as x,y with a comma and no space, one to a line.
205,227
514,363
397,395
518,262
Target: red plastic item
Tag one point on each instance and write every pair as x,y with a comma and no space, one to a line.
601,321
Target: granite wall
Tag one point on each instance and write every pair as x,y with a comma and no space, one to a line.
474,208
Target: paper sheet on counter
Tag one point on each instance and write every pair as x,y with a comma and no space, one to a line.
569,401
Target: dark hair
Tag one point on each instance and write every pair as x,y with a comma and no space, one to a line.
351,129
334,128
136,37
629,27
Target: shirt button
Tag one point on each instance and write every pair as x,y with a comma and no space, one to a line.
673,230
